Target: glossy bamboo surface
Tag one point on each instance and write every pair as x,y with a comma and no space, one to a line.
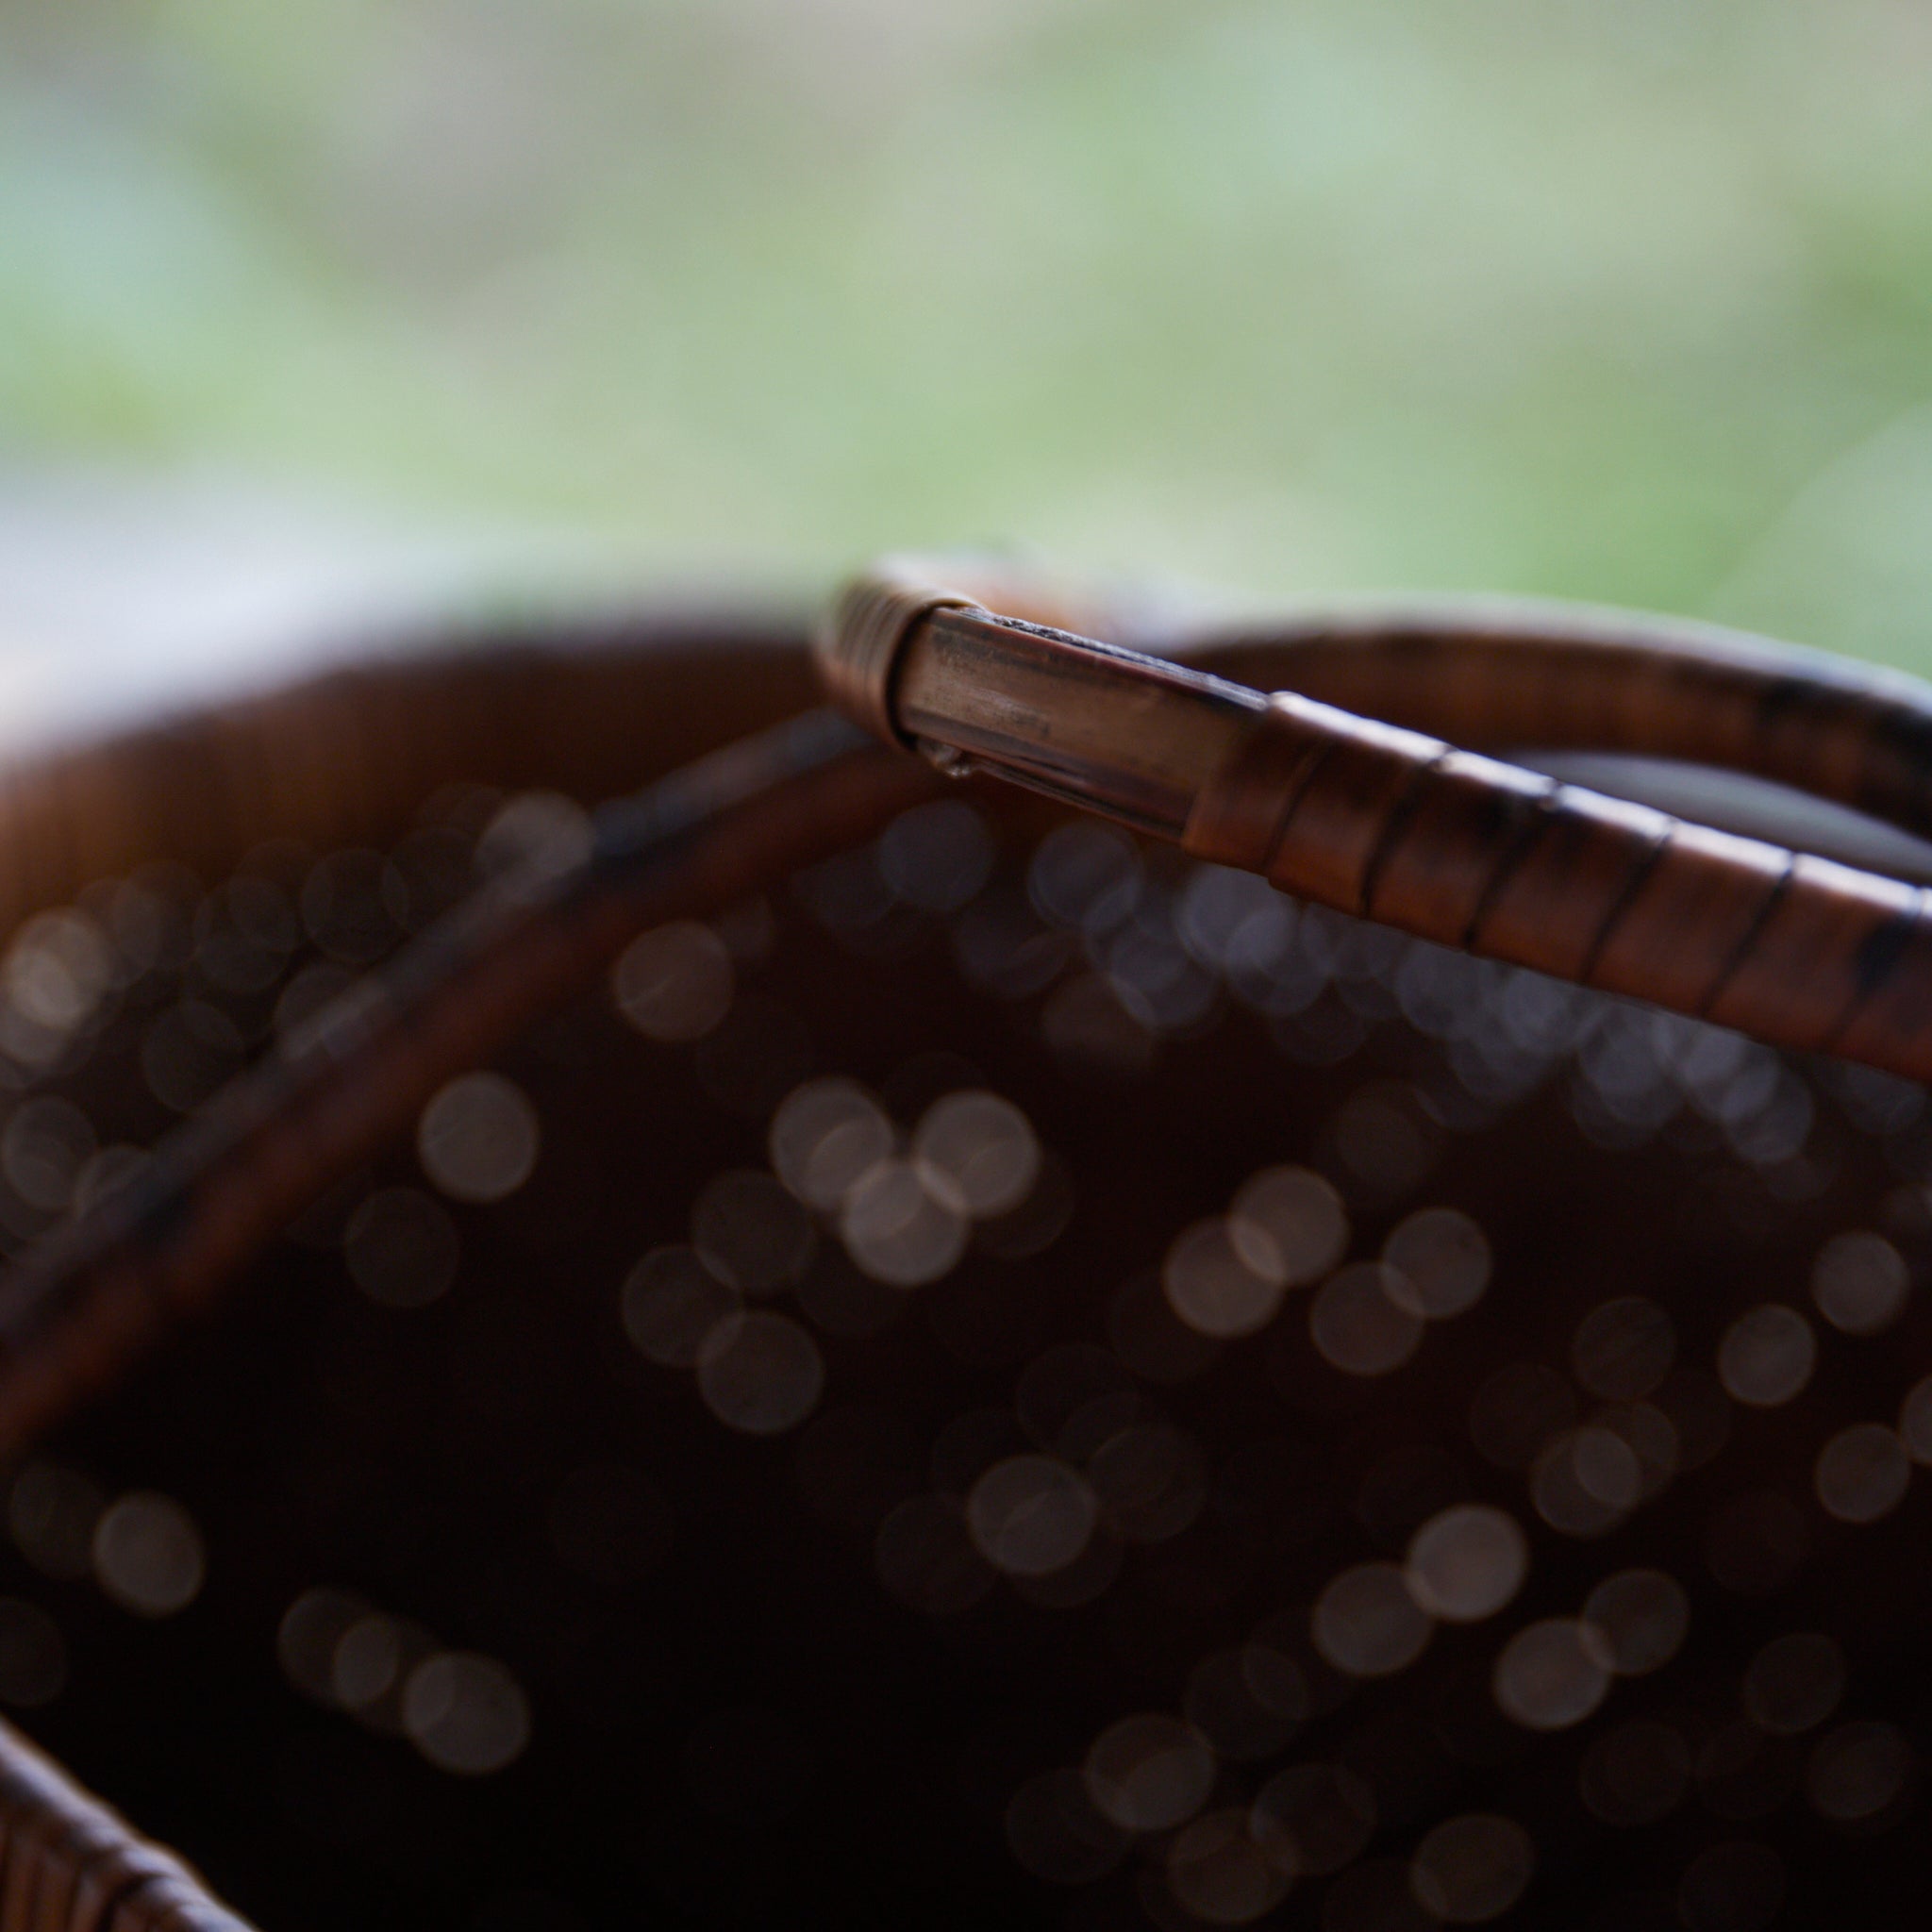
1379,818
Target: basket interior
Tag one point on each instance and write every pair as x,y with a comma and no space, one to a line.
568,1520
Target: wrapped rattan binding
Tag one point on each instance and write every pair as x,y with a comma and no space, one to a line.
1396,824
67,1863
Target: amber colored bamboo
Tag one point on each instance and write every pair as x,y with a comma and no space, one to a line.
595,706
1396,824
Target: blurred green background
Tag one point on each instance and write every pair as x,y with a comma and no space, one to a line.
1626,300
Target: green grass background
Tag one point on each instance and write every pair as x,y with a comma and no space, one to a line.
1623,299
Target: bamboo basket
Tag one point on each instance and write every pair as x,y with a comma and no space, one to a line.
627,1306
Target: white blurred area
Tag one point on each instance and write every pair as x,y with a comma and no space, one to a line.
321,313
124,596
1848,563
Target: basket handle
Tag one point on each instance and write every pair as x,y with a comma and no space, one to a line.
67,1863
1388,823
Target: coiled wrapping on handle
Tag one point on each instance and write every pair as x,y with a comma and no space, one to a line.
1384,822
1473,853
1495,676
69,1864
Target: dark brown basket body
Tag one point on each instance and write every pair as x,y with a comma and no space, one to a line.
775,1667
